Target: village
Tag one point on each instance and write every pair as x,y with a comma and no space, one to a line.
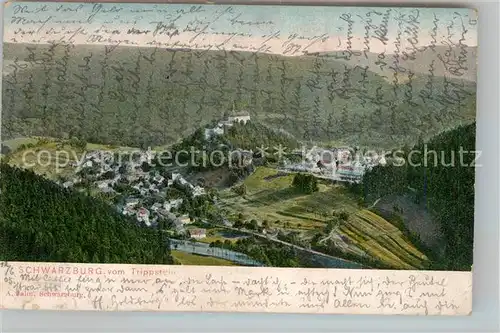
143,191
225,211
155,195
143,188
341,164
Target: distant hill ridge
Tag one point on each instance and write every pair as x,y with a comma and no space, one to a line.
454,62
136,96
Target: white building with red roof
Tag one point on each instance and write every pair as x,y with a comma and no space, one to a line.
143,215
198,233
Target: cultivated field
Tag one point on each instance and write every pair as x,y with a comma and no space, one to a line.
270,198
380,239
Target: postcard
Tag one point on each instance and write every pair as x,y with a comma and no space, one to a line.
251,158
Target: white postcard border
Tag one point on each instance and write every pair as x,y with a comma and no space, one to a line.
123,287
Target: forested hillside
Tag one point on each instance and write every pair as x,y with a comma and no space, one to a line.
254,134
135,96
41,221
426,60
442,182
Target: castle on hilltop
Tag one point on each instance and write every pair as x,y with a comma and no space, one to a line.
235,116
228,121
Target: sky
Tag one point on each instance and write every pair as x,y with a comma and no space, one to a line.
266,28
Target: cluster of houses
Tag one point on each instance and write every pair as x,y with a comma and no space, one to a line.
149,215
197,233
336,164
157,210
226,123
150,186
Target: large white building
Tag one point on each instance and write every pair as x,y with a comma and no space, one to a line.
351,172
239,117
198,233
243,117
213,132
